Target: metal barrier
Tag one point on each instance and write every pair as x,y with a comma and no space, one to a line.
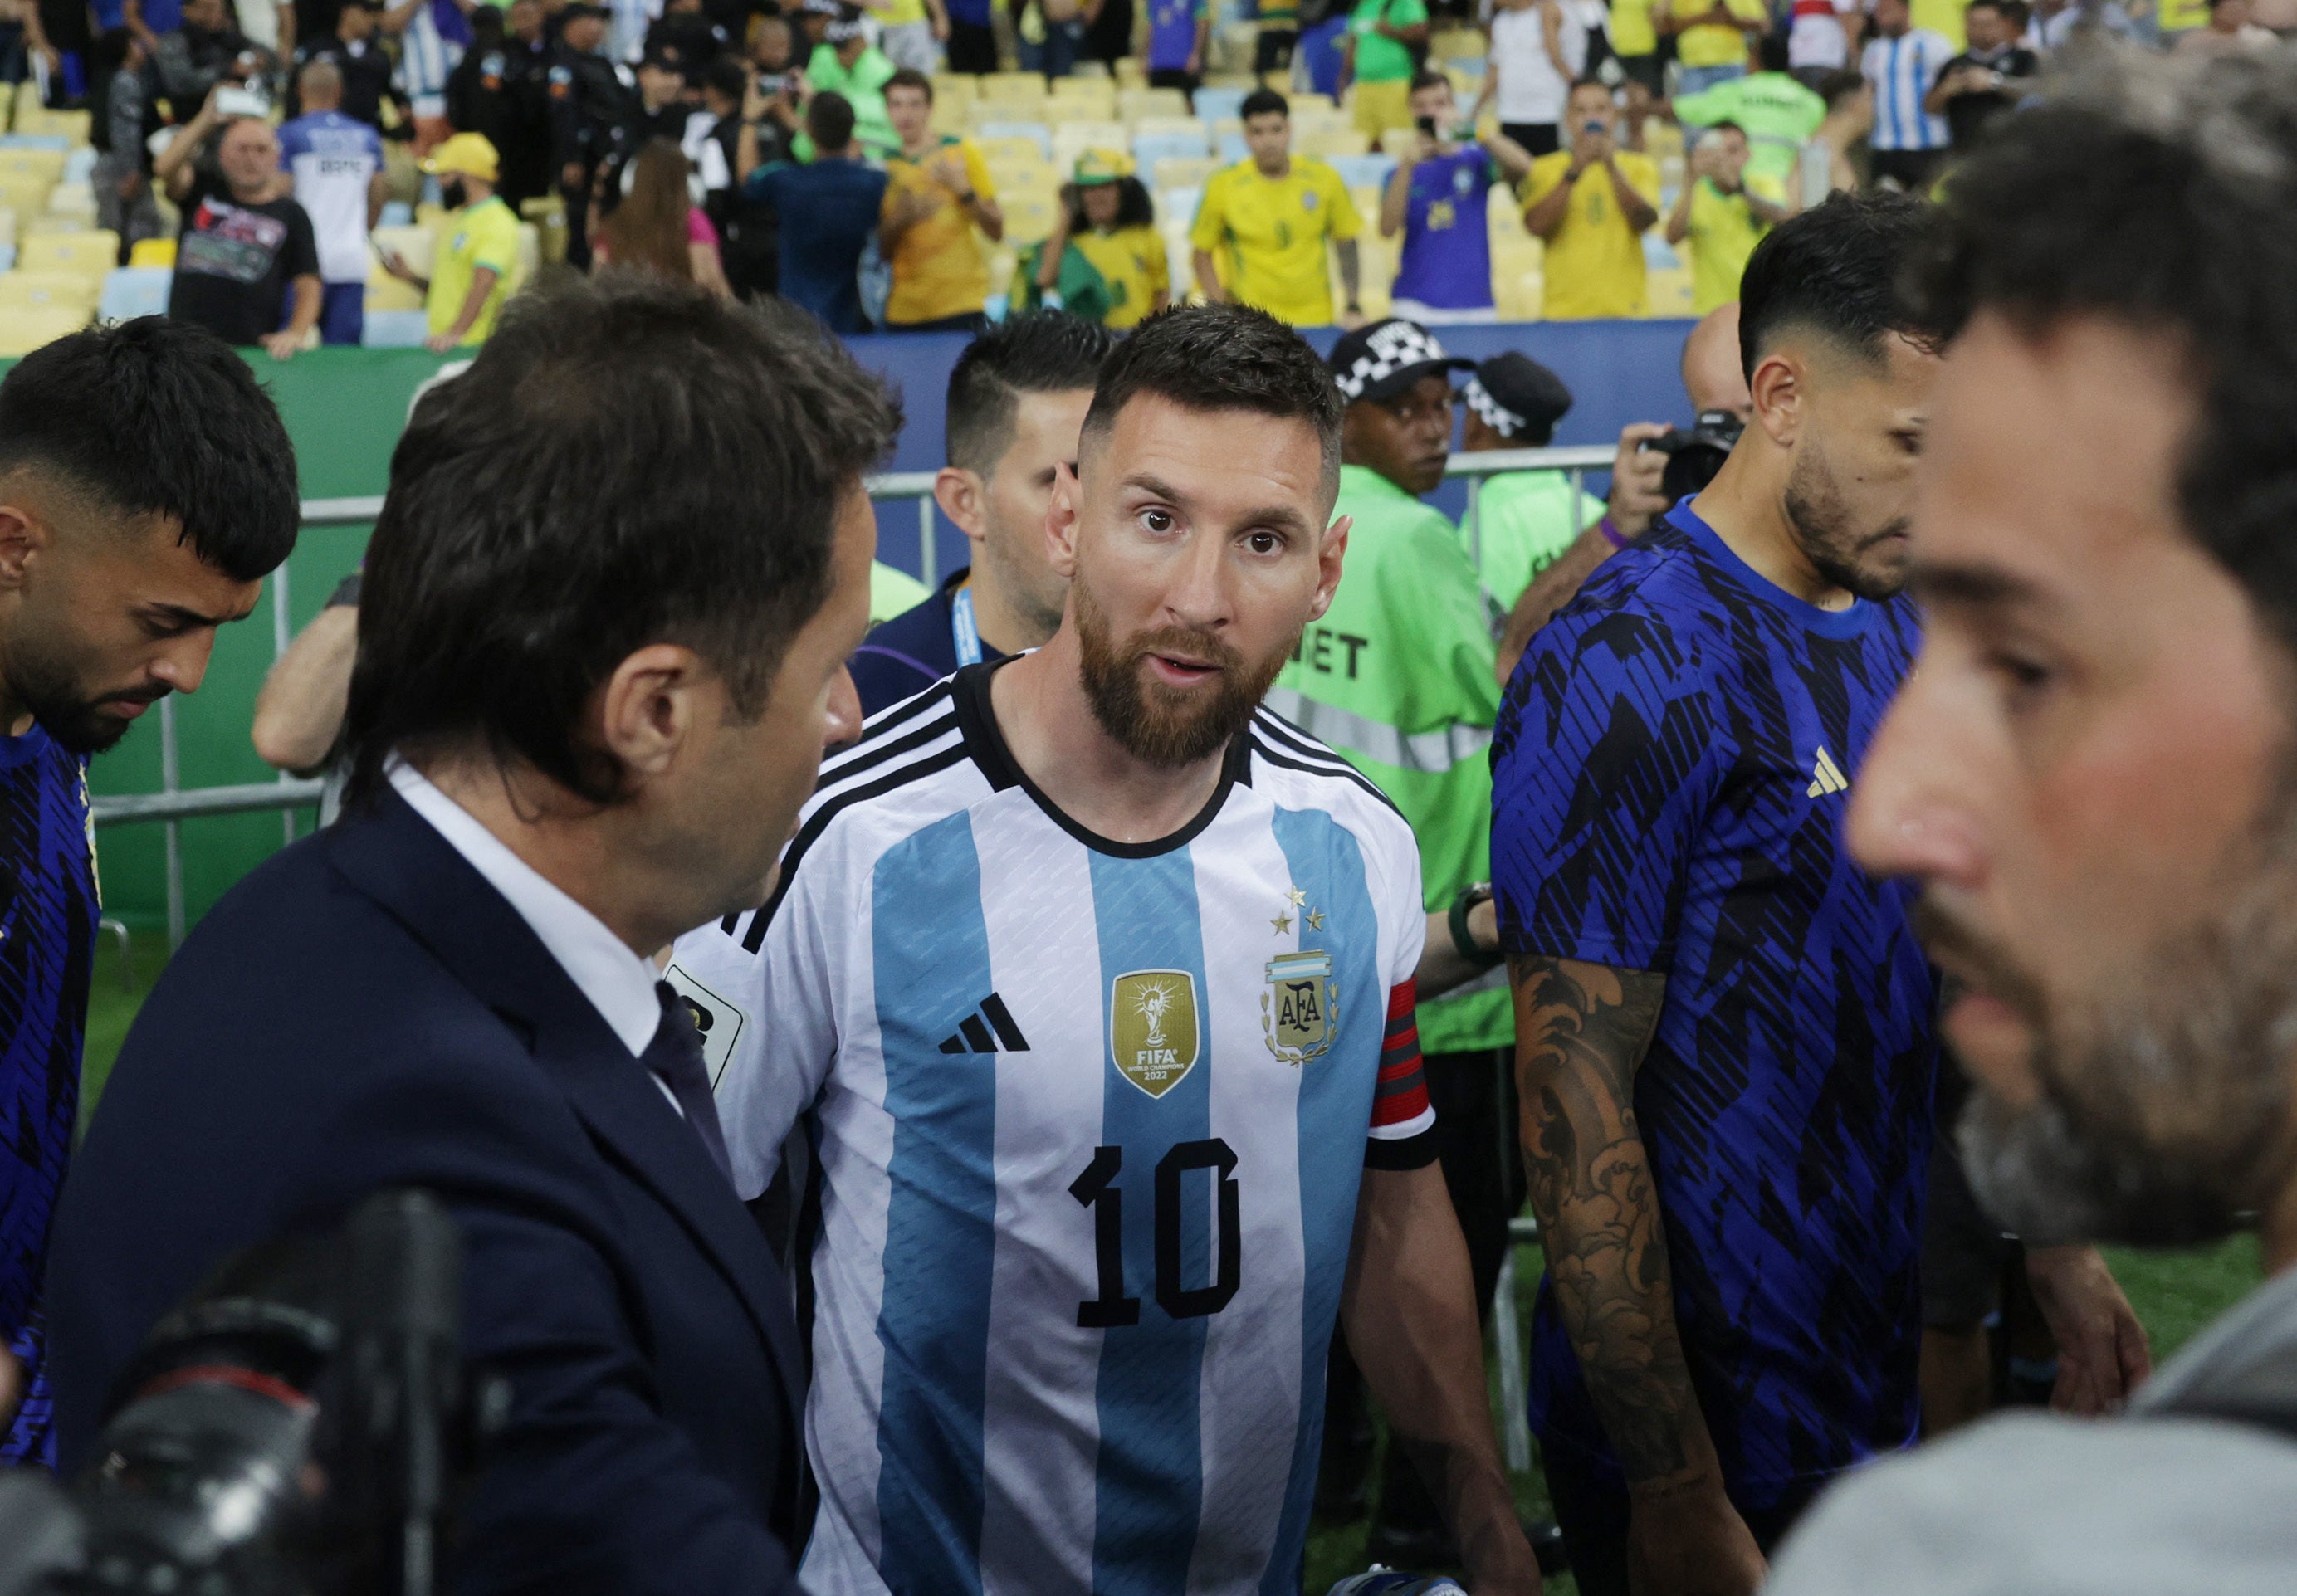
172,805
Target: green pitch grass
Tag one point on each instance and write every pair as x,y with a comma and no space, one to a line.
2175,1293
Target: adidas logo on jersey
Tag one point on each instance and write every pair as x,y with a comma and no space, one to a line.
1826,776
974,1037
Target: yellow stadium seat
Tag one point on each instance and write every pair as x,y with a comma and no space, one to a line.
24,289
1092,98
1667,293
95,252
1073,139
1325,142
50,221
1184,171
1029,215
26,196
1160,126
71,125
1134,103
46,165
1131,72
1457,44
23,329
958,88
1308,100
152,251
951,116
1011,88
1396,141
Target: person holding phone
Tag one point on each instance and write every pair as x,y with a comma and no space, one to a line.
247,247
1591,204
1438,197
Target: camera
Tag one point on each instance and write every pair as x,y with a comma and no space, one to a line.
1694,457
296,1427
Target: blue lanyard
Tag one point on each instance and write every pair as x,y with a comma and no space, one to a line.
961,630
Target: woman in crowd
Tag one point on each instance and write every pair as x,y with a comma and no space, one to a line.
658,227
1106,259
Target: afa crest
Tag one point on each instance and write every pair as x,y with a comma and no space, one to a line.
1300,1009
1153,1034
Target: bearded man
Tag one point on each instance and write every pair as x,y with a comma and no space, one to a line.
1092,985
1725,1029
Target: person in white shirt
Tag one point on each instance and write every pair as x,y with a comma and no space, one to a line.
337,165
1538,47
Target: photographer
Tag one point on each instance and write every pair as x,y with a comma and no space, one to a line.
602,637
1436,198
246,246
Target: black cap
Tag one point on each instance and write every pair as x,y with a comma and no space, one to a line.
579,9
1517,395
664,60
1381,360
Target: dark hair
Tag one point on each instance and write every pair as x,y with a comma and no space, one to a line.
1221,358
486,25
626,462
2160,195
1771,53
1835,270
1836,88
829,121
1135,208
159,418
1263,102
1428,78
909,78
722,75
1726,125
1579,83
1044,351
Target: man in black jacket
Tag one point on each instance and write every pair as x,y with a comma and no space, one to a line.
592,101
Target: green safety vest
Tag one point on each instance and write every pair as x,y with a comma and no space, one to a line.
1777,114
1521,524
1396,677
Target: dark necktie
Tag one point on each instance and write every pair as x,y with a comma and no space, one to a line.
675,1056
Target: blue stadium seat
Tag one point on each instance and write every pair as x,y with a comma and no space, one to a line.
34,141
1149,148
1213,104
397,213
1232,147
131,290
396,329
1362,171
79,164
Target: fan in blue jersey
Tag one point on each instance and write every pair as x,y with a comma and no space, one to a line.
1725,1029
1091,985
1438,198
146,485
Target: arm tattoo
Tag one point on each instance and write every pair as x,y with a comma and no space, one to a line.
1582,1031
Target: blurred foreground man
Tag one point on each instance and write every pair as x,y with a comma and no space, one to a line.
1092,984
602,645
2093,781
146,487
1725,1032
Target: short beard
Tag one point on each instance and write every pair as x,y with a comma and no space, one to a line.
1822,529
49,690
2164,1104
1150,721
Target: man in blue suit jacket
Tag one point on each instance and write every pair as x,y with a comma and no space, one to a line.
602,643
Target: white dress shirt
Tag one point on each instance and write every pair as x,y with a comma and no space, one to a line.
619,984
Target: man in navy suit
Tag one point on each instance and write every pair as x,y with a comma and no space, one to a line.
602,644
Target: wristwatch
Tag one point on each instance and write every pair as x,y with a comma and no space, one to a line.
1462,941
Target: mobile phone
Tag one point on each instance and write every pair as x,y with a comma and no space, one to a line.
1597,128
1427,126
240,102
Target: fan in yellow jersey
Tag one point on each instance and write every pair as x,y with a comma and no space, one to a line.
938,194
1591,205
1723,214
1260,233
1106,259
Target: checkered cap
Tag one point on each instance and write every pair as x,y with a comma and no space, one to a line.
1517,395
1377,361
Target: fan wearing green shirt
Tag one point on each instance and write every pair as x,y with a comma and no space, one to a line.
846,63
1778,114
1378,48
1519,521
1396,677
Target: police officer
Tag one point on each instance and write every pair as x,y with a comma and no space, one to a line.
592,103
1397,678
499,89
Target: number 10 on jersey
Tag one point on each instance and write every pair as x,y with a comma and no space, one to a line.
1099,1189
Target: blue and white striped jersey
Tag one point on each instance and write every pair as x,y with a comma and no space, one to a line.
1090,1119
1903,69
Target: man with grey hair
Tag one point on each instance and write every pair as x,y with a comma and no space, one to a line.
2093,779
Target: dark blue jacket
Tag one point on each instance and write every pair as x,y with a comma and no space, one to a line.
829,211
904,655
365,1011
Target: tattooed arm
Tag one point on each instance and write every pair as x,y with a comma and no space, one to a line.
1582,1031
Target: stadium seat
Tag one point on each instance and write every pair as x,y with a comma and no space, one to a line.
7,256
1214,104
79,165
53,221
1183,171
956,88
25,328
152,251
1134,103
393,329
1396,141
22,291
1013,88
1006,137
1230,149
1328,143
68,198
1131,72
1029,215
132,290
46,165
951,116
23,196
1080,99
1362,171
52,144
1178,205
91,254
1173,130
397,213
1310,103
71,126
1073,139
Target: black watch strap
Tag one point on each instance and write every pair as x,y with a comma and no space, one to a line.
1461,940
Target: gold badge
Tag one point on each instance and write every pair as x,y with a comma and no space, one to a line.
1152,1028
1300,1009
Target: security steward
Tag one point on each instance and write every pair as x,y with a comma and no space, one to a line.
500,90
1522,521
593,100
1397,678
